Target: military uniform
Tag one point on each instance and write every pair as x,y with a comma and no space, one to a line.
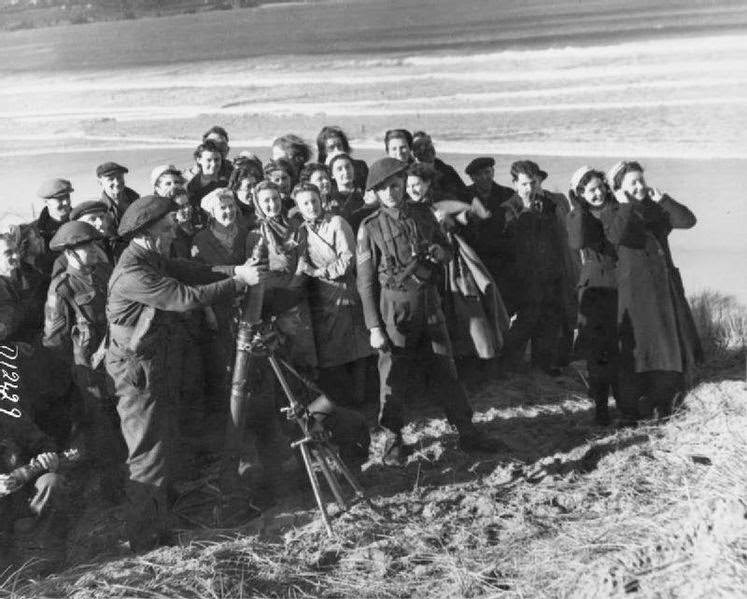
144,291
75,327
402,299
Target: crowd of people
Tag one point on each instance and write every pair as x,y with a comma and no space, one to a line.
121,313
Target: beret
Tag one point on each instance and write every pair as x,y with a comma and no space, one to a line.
163,169
143,212
89,207
54,188
73,233
382,169
478,164
110,168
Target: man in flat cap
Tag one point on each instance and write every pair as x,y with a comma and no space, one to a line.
487,237
145,291
114,193
56,211
400,250
533,223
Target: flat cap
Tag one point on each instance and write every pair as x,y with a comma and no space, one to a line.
54,188
143,212
110,168
163,169
73,233
382,169
89,207
478,164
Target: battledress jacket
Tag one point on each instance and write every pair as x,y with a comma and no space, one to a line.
146,286
653,315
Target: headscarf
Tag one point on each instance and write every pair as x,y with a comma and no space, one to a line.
276,230
226,236
614,173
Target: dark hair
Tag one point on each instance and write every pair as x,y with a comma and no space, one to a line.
216,129
245,171
340,157
526,167
421,144
311,168
628,167
263,185
422,170
293,145
281,164
585,181
301,187
328,132
207,146
397,134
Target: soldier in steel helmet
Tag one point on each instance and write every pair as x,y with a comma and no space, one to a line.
400,249
75,331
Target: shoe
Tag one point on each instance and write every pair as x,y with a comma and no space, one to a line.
396,451
476,441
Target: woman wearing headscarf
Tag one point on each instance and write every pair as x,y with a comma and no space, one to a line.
593,205
223,241
659,345
476,316
285,294
342,340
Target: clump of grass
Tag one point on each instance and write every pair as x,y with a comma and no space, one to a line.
721,322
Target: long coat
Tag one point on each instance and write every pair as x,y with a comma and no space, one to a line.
597,283
654,319
336,312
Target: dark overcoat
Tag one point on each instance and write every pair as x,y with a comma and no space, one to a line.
654,319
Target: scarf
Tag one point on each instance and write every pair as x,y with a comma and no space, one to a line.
226,236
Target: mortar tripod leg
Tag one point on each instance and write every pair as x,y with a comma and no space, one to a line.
304,448
334,484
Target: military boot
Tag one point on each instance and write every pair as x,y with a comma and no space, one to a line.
396,451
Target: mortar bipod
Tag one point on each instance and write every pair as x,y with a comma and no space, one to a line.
316,450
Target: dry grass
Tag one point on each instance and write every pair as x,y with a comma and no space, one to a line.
721,322
657,511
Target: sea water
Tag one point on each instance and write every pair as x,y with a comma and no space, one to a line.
646,80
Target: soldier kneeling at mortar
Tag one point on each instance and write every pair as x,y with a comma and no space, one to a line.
400,250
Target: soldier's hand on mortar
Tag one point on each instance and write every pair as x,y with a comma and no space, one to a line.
49,461
379,340
249,274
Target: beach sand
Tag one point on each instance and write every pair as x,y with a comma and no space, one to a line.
710,256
